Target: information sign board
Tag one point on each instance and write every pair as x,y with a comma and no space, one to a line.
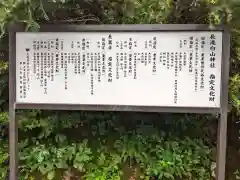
171,69
160,68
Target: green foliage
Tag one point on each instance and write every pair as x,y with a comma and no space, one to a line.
48,159
237,174
3,118
152,154
98,146
142,151
235,91
10,12
138,12
3,159
166,158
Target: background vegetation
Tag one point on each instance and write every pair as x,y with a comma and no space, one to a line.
113,145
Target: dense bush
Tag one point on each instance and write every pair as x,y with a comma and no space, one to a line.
58,147
105,146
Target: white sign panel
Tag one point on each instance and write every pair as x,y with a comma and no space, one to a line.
172,69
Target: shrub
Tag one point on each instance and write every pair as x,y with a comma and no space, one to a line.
50,143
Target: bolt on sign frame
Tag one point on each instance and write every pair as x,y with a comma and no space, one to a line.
224,71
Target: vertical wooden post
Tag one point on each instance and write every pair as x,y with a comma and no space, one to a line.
13,125
222,125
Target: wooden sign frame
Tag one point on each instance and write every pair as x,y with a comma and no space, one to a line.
222,129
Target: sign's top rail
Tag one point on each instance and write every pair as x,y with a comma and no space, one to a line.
20,27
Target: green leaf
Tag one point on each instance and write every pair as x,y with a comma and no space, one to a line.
3,14
51,175
168,175
61,164
60,138
45,168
